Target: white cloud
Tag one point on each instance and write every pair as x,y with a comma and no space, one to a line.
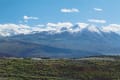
13,29
111,28
26,18
98,9
65,10
29,17
40,25
16,29
97,21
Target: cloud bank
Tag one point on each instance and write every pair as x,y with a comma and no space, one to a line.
16,29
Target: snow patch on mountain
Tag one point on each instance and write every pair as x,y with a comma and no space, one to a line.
14,29
93,28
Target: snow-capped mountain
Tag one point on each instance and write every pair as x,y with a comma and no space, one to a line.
81,37
13,29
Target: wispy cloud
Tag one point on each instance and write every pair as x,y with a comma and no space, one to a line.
98,9
26,18
60,24
40,25
72,10
97,21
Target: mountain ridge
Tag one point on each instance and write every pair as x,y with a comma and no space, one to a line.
83,38
101,43
15,48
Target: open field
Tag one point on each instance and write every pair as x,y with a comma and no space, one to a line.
59,69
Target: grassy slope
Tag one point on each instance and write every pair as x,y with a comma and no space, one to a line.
27,69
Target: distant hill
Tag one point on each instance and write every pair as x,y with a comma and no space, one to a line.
105,43
25,49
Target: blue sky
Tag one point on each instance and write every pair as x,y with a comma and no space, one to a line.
13,11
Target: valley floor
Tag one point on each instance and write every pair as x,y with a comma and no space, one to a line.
59,69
